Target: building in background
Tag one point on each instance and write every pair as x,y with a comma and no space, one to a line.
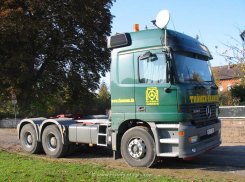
228,76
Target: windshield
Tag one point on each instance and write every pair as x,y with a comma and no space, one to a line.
190,69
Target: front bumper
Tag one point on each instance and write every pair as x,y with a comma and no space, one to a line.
206,141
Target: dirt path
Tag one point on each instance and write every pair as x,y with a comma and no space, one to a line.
9,140
226,163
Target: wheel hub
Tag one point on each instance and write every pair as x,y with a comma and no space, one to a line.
137,148
52,142
29,139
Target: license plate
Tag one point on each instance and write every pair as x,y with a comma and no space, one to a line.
210,131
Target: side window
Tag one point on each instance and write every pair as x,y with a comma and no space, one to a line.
153,69
126,69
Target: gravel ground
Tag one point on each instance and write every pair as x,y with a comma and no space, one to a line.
224,163
9,140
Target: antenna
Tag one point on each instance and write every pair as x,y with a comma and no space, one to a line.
201,36
172,21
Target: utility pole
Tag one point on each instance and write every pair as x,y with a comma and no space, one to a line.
14,102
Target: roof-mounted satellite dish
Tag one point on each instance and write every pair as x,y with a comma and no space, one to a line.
162,19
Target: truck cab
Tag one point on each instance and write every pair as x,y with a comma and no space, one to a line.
169,91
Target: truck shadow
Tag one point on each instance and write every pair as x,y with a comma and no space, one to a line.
84,151
222,159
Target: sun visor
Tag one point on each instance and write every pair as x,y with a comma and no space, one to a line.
181,42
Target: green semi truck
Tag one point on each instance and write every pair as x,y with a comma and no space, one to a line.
164,103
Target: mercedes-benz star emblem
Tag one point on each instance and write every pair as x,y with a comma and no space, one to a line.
208,111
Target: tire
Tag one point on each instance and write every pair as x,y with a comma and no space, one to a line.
52,142
138,147
28,139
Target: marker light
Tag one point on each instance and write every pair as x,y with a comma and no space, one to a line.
181,133
136,27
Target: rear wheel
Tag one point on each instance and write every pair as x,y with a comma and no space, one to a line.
138,147
28,139
52,142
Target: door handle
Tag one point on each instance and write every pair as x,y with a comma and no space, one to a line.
167,90
141,109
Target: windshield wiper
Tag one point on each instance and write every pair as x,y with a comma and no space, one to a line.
213,86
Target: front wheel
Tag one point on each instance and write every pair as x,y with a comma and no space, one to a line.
138,147
52,142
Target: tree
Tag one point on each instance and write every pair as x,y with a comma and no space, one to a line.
216,76
234,53
238,92
104,99
53,51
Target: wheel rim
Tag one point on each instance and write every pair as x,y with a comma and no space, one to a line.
28,139
137,148
52,142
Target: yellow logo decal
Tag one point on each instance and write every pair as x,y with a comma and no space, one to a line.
123,100
204,98
152,97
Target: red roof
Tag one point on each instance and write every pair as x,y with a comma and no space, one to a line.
229,71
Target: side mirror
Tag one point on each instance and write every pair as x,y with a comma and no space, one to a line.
167,51
146,55
168,88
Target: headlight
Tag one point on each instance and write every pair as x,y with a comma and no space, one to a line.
193,139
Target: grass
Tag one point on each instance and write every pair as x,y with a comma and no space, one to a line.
15,167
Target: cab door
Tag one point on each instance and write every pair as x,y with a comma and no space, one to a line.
155,99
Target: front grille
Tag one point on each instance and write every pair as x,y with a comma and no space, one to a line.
202,114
